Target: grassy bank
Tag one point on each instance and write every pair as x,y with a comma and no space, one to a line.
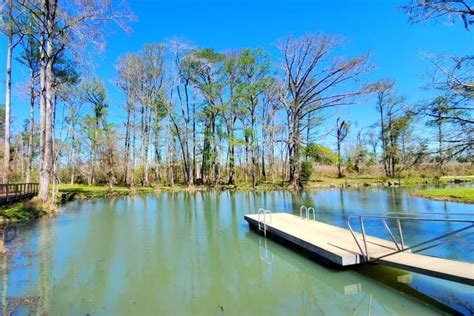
464,195
21,211
325,182
33,209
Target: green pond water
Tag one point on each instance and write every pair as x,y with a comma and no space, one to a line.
193,254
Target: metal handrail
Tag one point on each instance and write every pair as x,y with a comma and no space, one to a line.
399,225
426,213
384,218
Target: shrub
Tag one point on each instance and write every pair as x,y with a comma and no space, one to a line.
306,170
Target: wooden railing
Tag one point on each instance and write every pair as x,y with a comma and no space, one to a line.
17,191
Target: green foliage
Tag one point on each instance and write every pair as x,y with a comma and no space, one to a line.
306,170
253,66
449,194
93,92
22,211
320,154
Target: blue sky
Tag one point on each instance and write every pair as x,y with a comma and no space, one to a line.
374,26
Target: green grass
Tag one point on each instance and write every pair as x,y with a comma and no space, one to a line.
21,211
465,195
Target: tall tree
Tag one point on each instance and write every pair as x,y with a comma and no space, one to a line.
151,81
314,82
253,68
438,110
385,102
93,92
129,72
30,58
73,102
209,79
231,112
60,27
184,116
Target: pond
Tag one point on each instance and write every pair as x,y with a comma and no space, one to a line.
192,253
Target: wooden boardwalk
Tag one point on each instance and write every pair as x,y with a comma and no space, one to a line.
337,245
14,192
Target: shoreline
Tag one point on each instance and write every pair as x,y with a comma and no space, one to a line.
29,210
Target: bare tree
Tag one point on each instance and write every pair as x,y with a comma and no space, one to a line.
183,119
422,10
383,90
314,82
453,77
30,58
128,69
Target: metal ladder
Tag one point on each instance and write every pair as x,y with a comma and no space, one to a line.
265,255
414,217
307,211
262,224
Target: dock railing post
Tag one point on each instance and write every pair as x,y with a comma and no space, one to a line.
367,257
400,233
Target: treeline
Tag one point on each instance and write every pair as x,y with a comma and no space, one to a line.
197,116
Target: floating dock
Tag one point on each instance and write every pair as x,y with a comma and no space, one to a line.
337,245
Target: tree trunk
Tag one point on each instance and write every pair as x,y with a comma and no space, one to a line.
194,142
146,145
73,154
382,137
46,111
127,147
339,172
132,152
43,174
253,152
29,169
8,91
294,154
231,180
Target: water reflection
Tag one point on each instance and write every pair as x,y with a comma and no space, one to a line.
192,253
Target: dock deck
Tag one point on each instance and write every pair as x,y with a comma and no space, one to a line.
337,245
